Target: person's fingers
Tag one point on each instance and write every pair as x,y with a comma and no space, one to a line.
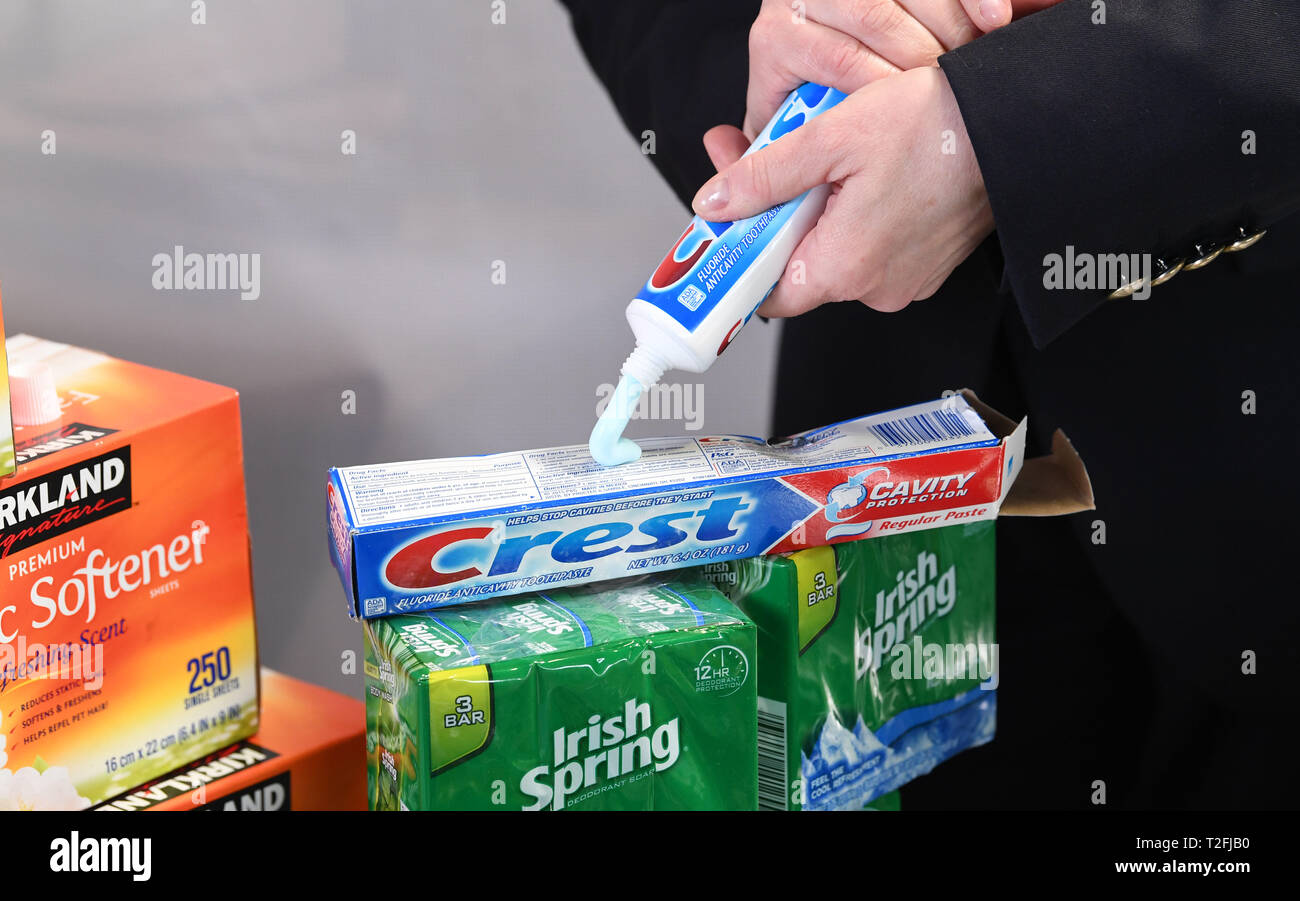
958,22
801,287
885,26
841,259
987,15
725,144
820,268
784,55
781,171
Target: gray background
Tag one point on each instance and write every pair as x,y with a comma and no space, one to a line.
476,142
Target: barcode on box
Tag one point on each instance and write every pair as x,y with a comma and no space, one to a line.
936,426
771,755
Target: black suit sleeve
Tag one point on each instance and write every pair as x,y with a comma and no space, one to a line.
675,67
1127,137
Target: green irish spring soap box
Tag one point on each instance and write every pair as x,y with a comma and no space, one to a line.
876,662
632,695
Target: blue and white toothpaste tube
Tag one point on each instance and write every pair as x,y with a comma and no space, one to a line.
710,284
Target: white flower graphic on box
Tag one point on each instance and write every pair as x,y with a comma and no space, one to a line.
49,788
29,789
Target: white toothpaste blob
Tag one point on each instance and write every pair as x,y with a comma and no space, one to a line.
641,370
608,446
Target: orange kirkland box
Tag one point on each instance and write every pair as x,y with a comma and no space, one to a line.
308,754
127,642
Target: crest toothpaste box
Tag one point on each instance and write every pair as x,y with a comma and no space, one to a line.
876,661
433,533
308,754
127,643
632,695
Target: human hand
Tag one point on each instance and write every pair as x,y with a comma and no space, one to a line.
907,201
848,43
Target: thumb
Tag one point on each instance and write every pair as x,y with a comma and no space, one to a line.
781,171
988,14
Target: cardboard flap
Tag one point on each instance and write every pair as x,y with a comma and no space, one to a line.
1053,485
998,423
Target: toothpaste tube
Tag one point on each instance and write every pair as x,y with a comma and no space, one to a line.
877,661
417,535
710,284
633,695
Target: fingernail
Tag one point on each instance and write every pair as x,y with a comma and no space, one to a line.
991,11
713,196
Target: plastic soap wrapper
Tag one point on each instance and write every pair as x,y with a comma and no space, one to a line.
877,661
630,695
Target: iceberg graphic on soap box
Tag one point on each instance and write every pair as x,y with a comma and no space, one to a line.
6,423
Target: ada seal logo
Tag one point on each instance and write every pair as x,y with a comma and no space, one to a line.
722,670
